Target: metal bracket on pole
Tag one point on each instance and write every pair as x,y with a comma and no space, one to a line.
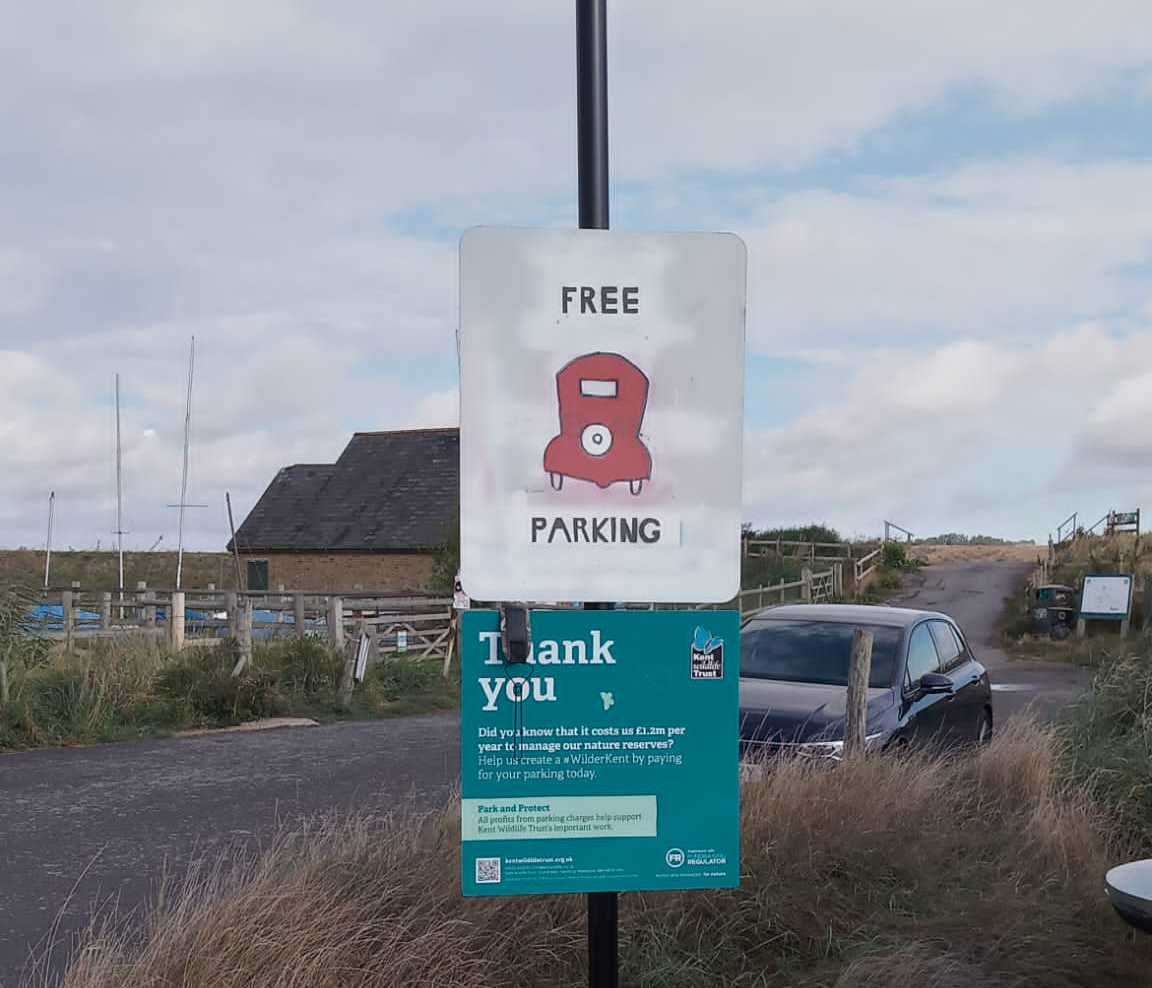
515,633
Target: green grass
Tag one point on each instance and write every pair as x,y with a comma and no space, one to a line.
131,688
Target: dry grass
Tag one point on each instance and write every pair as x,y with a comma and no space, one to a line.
1009,553
980,872
1107,554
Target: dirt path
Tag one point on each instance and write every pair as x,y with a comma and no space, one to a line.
972,591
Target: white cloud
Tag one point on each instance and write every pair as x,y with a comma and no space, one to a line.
1020,432
982,251
241,171
437,409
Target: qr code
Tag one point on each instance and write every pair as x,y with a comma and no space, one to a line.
487,871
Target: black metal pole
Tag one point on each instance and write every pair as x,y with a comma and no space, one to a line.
603,955
592,158
592,112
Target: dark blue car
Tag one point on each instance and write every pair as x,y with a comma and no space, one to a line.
926,687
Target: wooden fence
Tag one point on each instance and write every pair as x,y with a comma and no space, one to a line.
411,624
811,588
865,566
811,551
862,558
418,626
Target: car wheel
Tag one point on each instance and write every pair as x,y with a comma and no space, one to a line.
984,727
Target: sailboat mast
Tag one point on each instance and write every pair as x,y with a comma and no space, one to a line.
184,474
48,543
119,494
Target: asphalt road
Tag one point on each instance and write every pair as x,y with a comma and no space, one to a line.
973,593
83,827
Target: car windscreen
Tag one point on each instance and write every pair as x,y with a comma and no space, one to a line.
814,652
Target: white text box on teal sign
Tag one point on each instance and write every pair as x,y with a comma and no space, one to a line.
558,817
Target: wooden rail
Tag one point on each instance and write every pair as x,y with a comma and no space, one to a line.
812,551
866,565
409,623
811,588
394,623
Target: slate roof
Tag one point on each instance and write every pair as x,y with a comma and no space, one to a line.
388,492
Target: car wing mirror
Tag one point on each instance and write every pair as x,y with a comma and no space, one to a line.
935,682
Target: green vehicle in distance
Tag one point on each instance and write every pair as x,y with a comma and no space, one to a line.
1053,610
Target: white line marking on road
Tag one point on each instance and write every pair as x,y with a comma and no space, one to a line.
1013,687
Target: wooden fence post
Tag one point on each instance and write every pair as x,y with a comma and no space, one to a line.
336,622
146,596
1081,628
806,585
348,676
176,628
69,618
299,618
230,602
856,712
454,624
106,610
243,635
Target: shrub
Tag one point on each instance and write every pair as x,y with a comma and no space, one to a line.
201,681
796,533
400,677
1015,617
895,556
56,704
302,665
89,696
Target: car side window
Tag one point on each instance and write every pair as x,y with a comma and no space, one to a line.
922,656
948,645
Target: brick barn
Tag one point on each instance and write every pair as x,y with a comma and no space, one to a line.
373,520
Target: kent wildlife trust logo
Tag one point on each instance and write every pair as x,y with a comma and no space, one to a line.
707,655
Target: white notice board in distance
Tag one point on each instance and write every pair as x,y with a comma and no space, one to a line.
601,415
1106,597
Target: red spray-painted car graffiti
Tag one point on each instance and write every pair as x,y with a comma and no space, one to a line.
602,397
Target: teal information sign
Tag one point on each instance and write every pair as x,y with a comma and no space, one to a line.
609,762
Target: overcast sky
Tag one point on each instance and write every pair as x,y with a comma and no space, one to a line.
947,205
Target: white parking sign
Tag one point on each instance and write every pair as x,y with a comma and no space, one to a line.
601,418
